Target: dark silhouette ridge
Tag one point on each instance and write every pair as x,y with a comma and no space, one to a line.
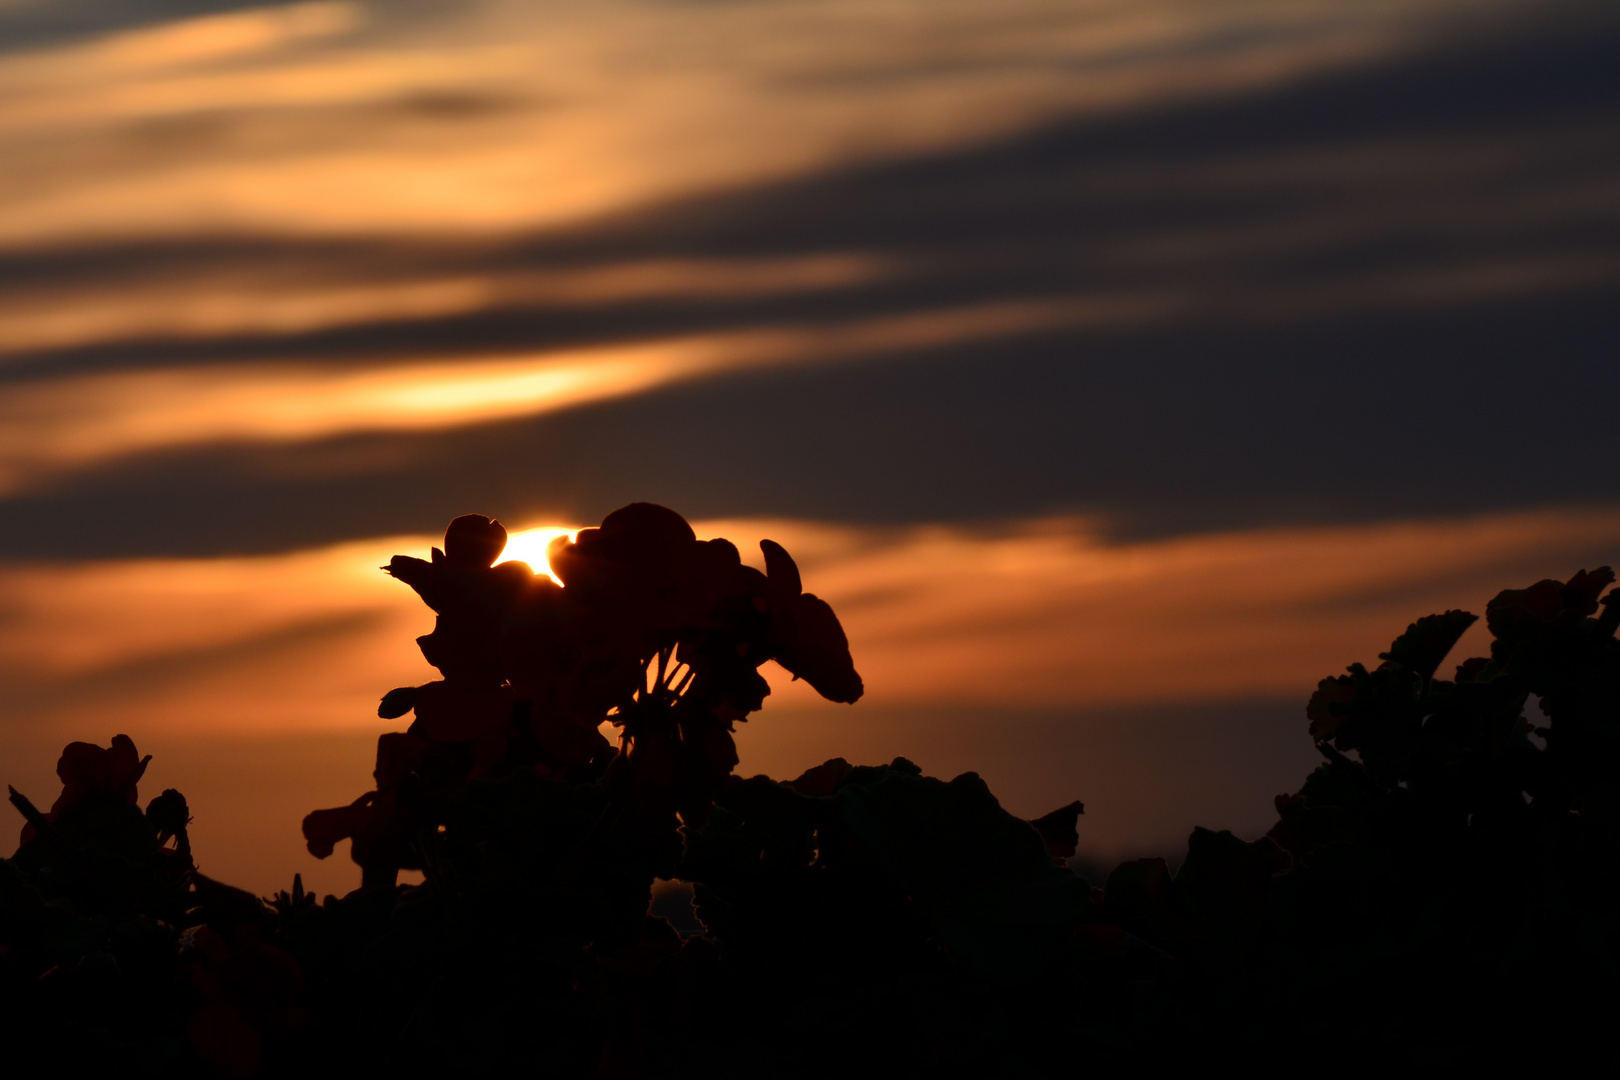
1444,890
1370,260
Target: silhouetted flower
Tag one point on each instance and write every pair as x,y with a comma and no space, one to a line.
1329,705
169,814
805,637
169,817
1518,616
650,629
94,774
324,828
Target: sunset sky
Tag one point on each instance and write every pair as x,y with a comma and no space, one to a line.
1116,368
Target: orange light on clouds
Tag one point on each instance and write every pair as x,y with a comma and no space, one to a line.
72,421
255,681
297,642
1035,614
323,117
304,296
59,423
1048,613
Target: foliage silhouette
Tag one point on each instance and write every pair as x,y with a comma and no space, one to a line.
1442,891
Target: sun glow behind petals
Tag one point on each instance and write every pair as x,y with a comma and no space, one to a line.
529,546
1040,613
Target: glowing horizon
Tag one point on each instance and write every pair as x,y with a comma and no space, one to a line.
1033,613
287,655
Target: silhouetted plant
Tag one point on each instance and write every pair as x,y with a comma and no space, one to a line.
657,632
1441,892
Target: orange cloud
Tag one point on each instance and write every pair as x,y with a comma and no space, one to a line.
250,298
57,423
330,117
1047,613
1040,613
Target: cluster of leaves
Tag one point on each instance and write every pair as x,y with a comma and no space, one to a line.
1445,887
116,955
1442,890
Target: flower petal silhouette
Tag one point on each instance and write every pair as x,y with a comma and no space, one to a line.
324,828
94,774
805,636
474,540
650,629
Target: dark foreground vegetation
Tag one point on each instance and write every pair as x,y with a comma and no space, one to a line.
1441,892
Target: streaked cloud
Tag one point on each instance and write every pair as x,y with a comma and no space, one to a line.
1048,614
335,118
208,646
71,421
252,298
382,285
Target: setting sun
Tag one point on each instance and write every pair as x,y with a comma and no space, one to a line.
529,546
